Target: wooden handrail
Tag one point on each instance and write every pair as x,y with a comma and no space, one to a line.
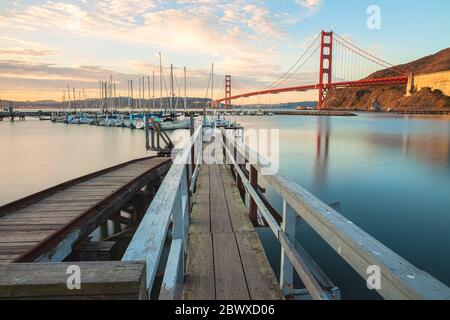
399,278
169,204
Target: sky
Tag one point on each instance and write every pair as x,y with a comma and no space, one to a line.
46,45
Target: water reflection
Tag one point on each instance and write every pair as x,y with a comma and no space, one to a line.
390,174
322,151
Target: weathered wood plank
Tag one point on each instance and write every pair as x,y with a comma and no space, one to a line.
200,282
5,246
200,216
49,212
73,199
261,281
28,227
22,236
49,280
6,258
34,220
58,209
229,275
220,219
236,208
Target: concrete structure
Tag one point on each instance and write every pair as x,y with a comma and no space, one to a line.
436,80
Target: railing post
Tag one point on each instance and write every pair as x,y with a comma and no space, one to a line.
228,145
193,145
286,268
253,209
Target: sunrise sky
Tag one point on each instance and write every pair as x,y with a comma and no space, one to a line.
44,45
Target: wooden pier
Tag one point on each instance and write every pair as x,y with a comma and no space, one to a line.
195,237
33,229
226,260
440,112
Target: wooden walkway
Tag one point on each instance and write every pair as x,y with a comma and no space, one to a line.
226,260
36,226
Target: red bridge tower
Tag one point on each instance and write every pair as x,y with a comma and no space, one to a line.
326,63
227,92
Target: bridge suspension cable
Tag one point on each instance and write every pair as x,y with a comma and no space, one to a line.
276,83
363,53
339,64
238,85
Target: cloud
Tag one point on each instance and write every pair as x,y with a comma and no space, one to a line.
241,37
27,52
309,4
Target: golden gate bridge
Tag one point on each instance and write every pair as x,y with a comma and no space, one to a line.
329,62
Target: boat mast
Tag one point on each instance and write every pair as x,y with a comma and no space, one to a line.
153,82
114,87
143,93
110,93
185,104
74,97
212,86
172,94
128,94
132,95
161,82
149,94
139,94
64,100
68,95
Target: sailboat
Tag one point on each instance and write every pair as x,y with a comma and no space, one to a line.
172,123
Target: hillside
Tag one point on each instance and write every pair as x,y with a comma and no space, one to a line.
393,97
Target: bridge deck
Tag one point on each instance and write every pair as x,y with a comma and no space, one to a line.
84,203
226,259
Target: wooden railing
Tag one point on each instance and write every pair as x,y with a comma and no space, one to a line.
171,204
399,278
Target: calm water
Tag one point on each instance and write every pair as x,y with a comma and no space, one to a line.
390,174
38,154
35,155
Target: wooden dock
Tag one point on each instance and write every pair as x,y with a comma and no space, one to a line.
440,112
194,239
226,260
33,228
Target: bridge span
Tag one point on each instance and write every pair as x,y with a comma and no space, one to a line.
340,63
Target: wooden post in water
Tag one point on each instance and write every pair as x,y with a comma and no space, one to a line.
147,132
11,112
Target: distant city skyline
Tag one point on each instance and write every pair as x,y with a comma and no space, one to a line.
45,45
